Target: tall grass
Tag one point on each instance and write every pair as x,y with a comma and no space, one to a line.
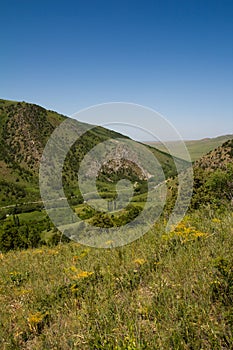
164,291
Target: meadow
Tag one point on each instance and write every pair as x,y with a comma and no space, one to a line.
196,148
164,291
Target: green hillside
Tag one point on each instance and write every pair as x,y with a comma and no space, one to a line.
24,131
196,148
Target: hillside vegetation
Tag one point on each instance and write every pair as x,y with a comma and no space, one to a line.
213,180
213,177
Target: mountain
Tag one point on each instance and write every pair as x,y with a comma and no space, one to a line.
196,148
213,176
24,131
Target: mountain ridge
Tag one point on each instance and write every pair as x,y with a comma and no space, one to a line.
24,131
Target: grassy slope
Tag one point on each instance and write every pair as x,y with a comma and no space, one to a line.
196,148
164,291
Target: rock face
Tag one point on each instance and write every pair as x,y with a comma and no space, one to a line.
120,158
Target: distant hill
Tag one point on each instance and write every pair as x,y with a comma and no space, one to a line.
196,148
24,131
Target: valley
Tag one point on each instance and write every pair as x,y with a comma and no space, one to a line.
166,289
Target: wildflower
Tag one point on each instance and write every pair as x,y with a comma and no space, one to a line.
35,318
84,253
16,277
186,233
216,220
36,321
81,255
74,288
165,237
38,251
73,268
74,273
52,252
22,292
139,261
198,234
109,242
18,334
75,257
84,274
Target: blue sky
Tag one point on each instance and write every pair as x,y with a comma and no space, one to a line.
175,56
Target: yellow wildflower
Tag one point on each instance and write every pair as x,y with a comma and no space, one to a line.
38,251
73,268
109,242
36,320
139,261
199,234
82,254
84,274
74,288
52,252
186,233
216,220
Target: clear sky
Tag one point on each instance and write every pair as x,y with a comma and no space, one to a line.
175,56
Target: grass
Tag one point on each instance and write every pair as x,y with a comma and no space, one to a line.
164,291
196,148
33,216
